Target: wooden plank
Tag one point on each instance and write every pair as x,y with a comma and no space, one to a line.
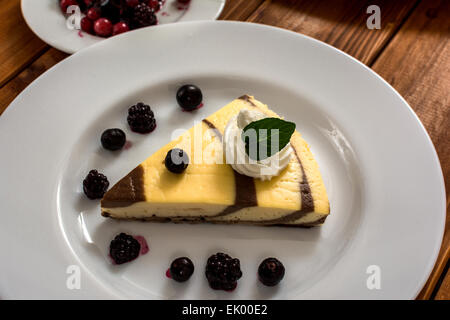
444,290
417,63
239,9
18,45
341,23
9,91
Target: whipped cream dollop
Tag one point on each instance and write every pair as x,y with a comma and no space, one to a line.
236,156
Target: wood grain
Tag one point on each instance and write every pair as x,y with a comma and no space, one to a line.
417,63
341,23
239,9
443,292
18,45
9,91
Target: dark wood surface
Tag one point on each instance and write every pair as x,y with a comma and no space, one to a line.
411,51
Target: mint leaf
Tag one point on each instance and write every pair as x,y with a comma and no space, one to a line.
264,138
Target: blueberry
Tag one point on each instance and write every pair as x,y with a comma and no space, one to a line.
113,139
271,272
181,269
189,97
176,161
95,185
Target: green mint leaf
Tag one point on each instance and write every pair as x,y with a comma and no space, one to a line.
264,138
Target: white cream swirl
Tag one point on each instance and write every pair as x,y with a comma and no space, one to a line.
236,156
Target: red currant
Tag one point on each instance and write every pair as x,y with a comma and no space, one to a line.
93,14
87,25
120,27
103,27
64,4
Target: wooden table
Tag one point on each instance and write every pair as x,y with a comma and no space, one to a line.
411,51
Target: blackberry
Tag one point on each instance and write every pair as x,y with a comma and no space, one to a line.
124,248
181,269
176,160
271,272
95,185
143,16
112,10
141,118
222,272
113,139
189,97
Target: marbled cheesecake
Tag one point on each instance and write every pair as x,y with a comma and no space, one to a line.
211,191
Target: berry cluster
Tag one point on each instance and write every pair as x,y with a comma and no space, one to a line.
107,18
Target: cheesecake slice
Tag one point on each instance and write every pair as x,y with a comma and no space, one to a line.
211,191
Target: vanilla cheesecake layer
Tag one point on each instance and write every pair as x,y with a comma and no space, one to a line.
210,190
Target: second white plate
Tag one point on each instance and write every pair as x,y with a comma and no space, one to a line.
46,20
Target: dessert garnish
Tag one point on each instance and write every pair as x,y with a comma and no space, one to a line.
272,135
113,139
256,145
95,185
141,118
124,248
189,97
176,160
223,272
270,272
181,269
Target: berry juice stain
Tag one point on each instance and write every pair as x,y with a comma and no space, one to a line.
183,4
199,106
80,34
127,145
143,243
168,275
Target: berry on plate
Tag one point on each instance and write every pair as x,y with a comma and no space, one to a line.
95,185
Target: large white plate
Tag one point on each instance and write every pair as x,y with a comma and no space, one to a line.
46,20
381,171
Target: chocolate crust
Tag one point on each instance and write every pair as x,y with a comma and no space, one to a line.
127,191
196,220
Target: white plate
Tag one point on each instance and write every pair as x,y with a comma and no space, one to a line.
381,171
46,20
